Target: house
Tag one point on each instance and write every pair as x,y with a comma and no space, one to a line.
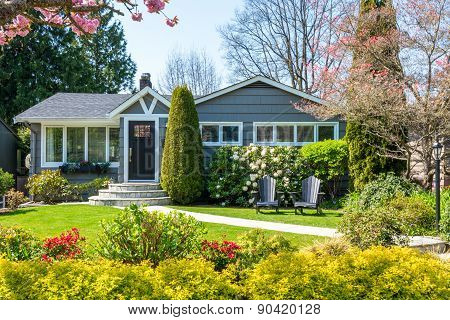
128,130
9,148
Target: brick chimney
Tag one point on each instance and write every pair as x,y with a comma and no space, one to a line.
145,81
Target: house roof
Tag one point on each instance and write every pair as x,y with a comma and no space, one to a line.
74,106
93,106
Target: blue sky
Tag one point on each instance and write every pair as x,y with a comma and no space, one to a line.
150,41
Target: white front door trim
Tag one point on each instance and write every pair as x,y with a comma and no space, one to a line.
126,142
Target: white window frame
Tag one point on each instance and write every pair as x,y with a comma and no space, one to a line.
45,164
221,125
295,124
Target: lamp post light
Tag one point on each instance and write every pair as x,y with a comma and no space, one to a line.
437,151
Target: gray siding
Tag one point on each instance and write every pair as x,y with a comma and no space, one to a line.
135,108
8,147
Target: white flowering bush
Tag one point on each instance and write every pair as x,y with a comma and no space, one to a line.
235,171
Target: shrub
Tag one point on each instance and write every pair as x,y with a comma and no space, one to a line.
82,191
221,254
415,216
195,279
6,181
332,247
108,280
376,273
18,244
380,191
328,161
378,226
48,186
14,199
182,162
256,245
66,246
137,234
234,172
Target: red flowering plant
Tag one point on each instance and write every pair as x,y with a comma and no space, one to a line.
66,246
221,254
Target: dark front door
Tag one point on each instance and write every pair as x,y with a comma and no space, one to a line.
141,151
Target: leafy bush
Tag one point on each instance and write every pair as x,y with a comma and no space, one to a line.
221,254
376,273
66,246
108,280
18,244
81,191
14,199
333,247
137,234
415,216
48,186
234,172
256,245
194,279
378,226
328,160
6,181
182,162
380,191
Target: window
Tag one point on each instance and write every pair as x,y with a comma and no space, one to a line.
75,144
210,133
221,133
285,133
264,133
230,134
114,144
54,144
305,133
326,133
296,134
97,144
142,131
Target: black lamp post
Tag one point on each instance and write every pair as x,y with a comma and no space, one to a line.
437,151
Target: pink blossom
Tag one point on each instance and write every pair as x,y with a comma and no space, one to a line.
154,6
87,25
172,22
136,16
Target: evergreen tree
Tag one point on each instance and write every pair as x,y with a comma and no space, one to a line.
51,60
181,173
365,161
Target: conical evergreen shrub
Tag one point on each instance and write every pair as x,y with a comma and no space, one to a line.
182,172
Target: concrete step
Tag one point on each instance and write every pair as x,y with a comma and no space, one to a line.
431,244
125,202
134,186
131,194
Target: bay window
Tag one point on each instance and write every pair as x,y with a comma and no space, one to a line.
54,144
73,144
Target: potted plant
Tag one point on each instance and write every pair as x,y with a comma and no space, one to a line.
84,166
102,167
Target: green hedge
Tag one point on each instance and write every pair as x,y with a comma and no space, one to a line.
376,273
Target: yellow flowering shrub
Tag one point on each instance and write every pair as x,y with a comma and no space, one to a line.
375,273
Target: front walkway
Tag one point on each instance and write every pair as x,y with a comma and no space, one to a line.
421,243
283,227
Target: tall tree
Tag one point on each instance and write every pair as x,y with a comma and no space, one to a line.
404,102
365,159
194,69
49,60
285,40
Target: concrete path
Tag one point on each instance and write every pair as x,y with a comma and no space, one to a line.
283,227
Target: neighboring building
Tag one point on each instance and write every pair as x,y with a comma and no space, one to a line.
8,148
128,130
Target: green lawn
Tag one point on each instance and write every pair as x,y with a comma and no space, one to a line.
47,221
328,219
